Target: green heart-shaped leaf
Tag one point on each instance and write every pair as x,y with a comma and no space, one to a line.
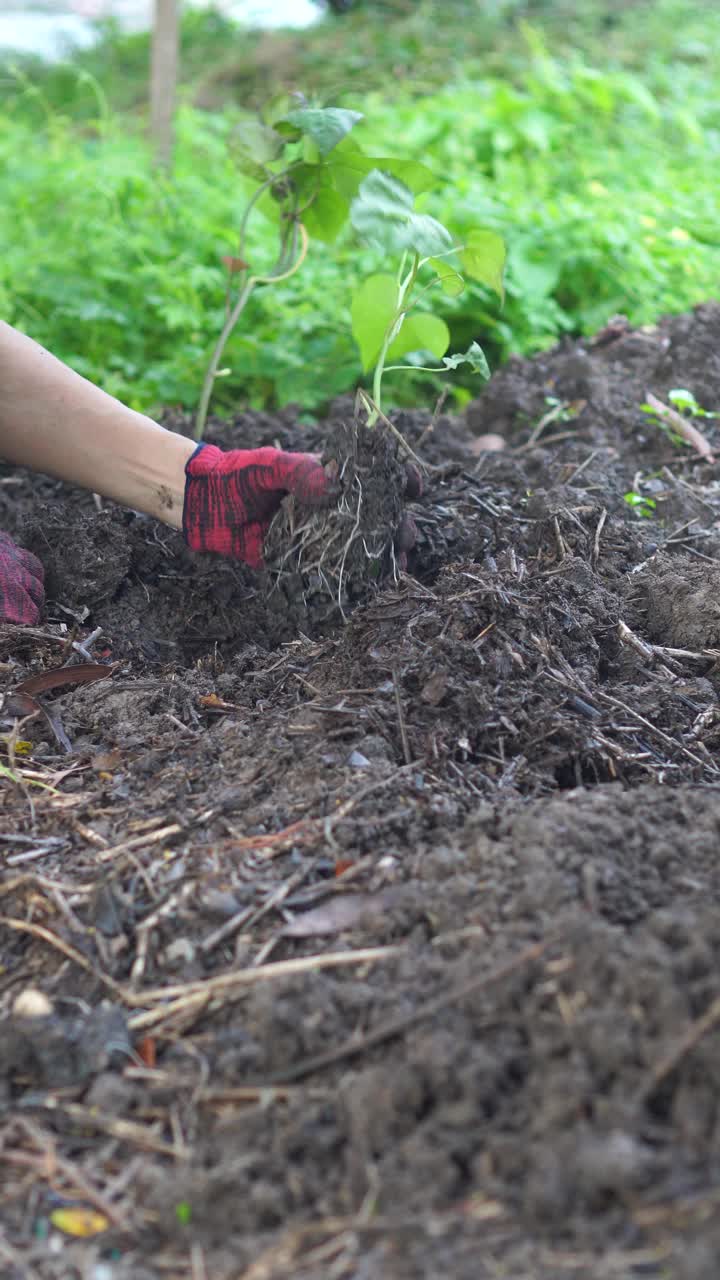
349,166
383,213
256,145
451,282
327,126
420,332
483,257
326,216
373,308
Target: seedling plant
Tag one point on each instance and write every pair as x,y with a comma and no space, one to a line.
684,402
310,178
287,154
642,506
672,419
386,320
313,180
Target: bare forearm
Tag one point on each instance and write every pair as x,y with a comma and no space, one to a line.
57,422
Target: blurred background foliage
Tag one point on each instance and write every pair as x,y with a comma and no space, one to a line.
587,135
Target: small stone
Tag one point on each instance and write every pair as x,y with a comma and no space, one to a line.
373,746
219,902
357,760
32,1003
491,442
180,951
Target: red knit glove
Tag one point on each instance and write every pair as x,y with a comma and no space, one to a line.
230,498
21,584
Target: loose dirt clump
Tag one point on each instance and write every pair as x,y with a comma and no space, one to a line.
325,560
370,923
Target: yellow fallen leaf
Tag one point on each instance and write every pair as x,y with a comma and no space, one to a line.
22,748
79,1221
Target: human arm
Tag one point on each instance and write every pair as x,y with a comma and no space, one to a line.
55,421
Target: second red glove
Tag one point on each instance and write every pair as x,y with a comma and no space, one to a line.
21,584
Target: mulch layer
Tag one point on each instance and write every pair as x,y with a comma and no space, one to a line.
374,933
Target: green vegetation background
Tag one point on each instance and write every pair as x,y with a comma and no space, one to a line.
588,135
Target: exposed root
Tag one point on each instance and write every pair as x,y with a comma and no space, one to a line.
341,552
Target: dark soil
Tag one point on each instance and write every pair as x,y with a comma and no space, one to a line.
499,770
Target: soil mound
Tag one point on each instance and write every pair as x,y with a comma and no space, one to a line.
379,925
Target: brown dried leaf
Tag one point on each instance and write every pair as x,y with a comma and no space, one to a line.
59,677
23,704
106,761
234,264
213,702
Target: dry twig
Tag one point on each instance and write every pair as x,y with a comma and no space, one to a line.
686,429
691,1037
192,996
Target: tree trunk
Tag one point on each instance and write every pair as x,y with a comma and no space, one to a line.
163,79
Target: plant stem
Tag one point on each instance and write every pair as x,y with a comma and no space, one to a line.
209,380
415,368
372,409
393,329
232,319
276,276
256,195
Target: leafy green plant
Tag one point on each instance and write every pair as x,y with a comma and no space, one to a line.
585,159
642,506
306,178
286,154
309,180
386,321
682,400
676,425
561,410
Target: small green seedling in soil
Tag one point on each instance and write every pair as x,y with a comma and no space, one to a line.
562,410
643,507
183,1213
386,322
684,403
307,170
557,411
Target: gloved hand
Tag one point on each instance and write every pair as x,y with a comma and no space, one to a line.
21,584
231,498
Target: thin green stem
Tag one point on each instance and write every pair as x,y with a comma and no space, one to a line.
103,119
209,381
393,329
232,319
265,186
420,368
242,233
276,276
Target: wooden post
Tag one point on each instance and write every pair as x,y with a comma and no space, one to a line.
163,79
